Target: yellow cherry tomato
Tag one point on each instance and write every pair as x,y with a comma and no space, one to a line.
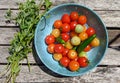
56,32
68,45
75,40
95,42
57,56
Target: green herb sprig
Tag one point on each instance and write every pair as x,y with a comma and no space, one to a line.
27,18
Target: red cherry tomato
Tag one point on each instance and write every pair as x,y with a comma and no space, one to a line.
57,24
65,36
59,48
50,39
65,27
74,15
90,31
65,18
87,48
73,25
82,19
64,61
83,61
76,58
65,52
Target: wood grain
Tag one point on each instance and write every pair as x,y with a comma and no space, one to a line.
110,18
42,74
4,4
111,57
94,4
103,4
108,71
7,34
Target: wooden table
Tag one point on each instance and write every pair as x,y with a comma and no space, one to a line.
108,71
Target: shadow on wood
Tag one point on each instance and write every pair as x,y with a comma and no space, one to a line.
40,64
113,40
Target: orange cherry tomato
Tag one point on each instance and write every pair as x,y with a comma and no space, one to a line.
74,15
57,24
83,36
88,48
50,48
82,19
73,65
72,54
95,42
84,28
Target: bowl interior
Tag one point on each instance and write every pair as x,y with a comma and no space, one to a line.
45,26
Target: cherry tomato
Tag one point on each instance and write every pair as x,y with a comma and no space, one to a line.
95,42
83,61
64,61
57,24
65,18
82,19
75,40
65,27
72,54
56,33
49,39
84,28
90,31
74,15
65,52
68,45
83,54
76,58
73,33
73,25
83,36
65,36
87,48
73,65
57,56
79,28
50,48
59,48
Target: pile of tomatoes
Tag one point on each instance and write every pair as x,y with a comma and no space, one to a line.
67,34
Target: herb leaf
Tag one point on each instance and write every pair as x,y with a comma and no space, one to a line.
27,19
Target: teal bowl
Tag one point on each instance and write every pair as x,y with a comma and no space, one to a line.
44,28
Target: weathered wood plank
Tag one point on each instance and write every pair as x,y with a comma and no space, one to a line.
110,18
7,34
94,4
114,41
42,74
103,4
4,4
111,57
